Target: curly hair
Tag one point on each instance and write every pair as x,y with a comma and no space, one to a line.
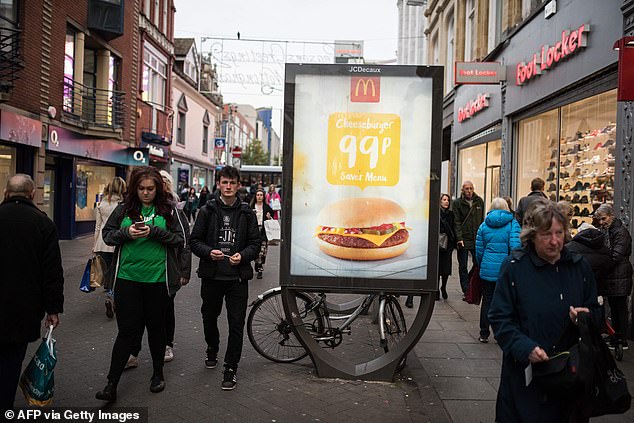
133,204
539,217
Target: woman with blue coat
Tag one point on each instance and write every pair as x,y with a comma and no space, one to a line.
496,237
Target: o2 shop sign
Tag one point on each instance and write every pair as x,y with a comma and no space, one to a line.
473,107
549,56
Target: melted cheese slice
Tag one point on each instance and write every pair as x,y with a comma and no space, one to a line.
377,240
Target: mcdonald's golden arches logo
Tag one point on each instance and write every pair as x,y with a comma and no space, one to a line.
365,89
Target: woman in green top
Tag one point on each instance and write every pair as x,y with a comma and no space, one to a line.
146,233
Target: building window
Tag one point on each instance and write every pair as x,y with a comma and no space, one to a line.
146,8
165,4
154,77
449,57
205,139
435,50
469,30
495,24
180,128
157,12
69,70
9,13
572,148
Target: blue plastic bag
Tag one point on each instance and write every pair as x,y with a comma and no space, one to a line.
84,286
37,381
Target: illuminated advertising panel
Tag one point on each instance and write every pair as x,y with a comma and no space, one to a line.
361,166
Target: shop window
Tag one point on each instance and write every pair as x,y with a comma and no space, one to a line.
480,164
572,148
7,164
89,185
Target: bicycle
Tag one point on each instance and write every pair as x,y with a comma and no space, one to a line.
271,332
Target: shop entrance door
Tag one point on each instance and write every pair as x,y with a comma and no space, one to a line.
480,164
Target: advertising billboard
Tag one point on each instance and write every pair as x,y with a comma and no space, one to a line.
361,177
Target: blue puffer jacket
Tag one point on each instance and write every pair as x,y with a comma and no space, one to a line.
497,236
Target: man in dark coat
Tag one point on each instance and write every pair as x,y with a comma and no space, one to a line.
31,278
537,191
227,239
468,216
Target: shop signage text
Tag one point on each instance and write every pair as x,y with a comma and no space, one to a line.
479,73
549,56
472,107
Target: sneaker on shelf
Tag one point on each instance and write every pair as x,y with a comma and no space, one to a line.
229,379
169,354
132,362
211,361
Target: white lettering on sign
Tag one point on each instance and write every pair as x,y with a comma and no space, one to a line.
368,145
54,138
549,56
472,107
138,156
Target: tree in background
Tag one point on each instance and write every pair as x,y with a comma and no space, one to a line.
254,154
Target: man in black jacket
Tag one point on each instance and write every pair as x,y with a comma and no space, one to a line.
226,238
31,279
537,191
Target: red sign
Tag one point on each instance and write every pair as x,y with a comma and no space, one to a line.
365,89
625,46
549,56
473,107
236,151
479,73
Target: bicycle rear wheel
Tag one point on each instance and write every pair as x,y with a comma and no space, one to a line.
395,327
271,333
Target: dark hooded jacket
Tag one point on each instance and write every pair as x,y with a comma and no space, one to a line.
32,278
530,308
590,243
467,219
525,203
204,237
619,281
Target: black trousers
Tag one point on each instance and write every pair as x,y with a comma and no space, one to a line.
170,327
235,294
107,258
11,358
488,288
618,310
139,306
463,270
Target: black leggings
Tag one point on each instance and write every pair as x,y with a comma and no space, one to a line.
618,310
139,306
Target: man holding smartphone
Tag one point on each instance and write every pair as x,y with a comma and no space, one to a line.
227,239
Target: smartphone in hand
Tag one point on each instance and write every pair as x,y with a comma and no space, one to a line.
139,225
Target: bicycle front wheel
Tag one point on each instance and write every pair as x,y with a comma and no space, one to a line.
271,333
395,328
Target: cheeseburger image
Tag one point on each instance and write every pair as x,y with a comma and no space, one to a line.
362,229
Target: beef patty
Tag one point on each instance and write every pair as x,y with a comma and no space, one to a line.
353,242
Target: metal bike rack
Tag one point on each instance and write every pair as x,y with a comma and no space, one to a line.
382,368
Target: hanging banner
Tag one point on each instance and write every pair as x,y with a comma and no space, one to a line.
359,165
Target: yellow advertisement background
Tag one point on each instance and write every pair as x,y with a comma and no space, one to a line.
364,149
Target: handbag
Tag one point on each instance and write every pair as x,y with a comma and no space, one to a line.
272,229
474,292
443,241
98,270
84,284
609,393
568,374
276,204
37,381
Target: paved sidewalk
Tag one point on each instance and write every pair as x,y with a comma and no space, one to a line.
450,376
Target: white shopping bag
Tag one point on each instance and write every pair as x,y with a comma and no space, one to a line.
272,229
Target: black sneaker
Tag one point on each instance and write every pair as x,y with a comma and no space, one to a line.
229,380
211,361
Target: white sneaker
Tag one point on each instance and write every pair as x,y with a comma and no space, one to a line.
169,354
132,362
